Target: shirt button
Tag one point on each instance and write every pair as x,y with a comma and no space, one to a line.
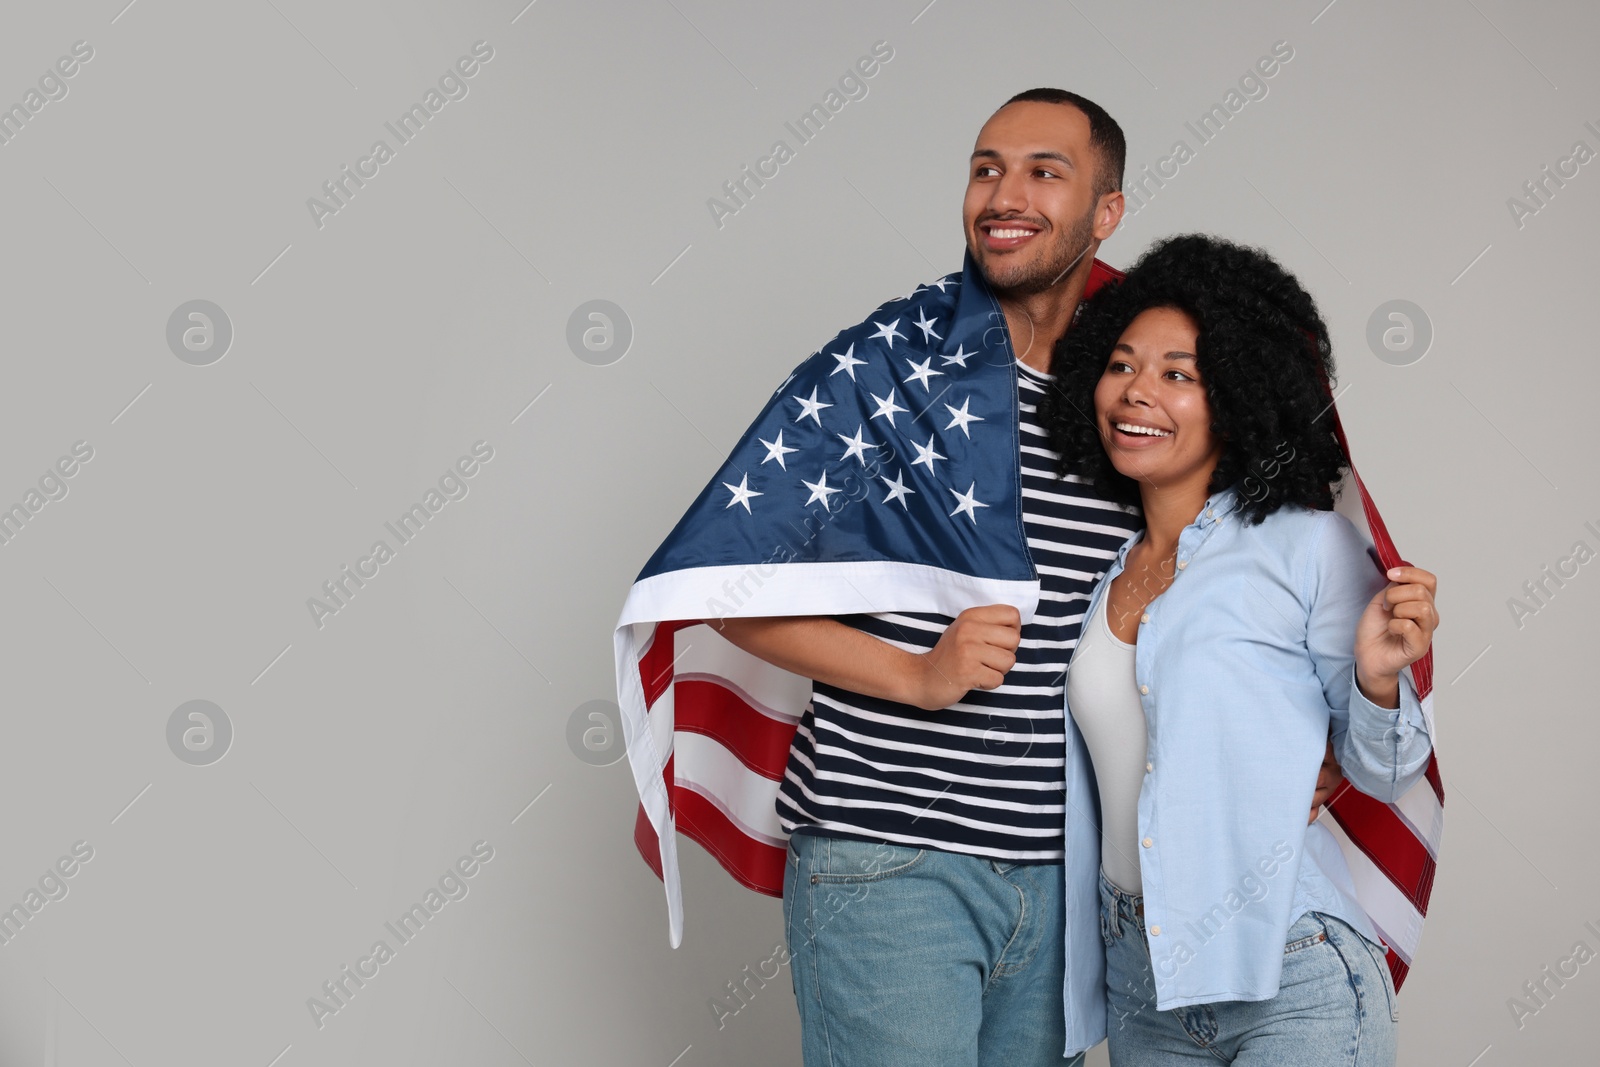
1149,766
1155,931
1147,842
1145,617
1210,514
1144,689
1182,563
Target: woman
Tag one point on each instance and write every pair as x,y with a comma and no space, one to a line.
1215,654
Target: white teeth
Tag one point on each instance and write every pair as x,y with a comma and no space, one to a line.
1128,427
1010,233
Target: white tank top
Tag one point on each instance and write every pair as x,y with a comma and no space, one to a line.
1103,696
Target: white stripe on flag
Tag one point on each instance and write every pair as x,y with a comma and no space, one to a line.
638,725
825,588
1388,908
1348,504
773,691
1420,809
663,719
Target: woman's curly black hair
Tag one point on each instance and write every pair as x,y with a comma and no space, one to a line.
1263,353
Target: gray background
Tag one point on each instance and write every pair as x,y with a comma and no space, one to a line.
372,352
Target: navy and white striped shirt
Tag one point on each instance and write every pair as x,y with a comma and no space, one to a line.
983,777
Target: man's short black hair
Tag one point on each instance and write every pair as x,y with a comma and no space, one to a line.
1105,136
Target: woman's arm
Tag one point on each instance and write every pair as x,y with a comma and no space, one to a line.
1361,645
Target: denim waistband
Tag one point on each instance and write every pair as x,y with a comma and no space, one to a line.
1121,907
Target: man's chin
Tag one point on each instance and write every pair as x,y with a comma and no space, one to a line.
1001,277
1016,281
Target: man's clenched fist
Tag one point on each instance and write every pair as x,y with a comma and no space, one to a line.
974,652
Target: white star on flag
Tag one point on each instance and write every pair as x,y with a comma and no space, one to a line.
920,372
941,283
812,407
897,489
962,417
968,502
887,406
961,357
819,490
742,493
777,450
847,362
925,324
926,453
857,446
888,333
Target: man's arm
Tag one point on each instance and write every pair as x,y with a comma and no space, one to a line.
974,652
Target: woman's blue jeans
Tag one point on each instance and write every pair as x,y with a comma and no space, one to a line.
905,957
1335,1002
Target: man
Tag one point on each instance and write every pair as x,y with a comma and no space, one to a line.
925,787
963,963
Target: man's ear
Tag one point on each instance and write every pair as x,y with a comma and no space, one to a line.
1108,215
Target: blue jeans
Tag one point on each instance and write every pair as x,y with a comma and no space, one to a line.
1335,1002
905,957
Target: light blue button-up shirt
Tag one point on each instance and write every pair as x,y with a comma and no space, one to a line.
1242,664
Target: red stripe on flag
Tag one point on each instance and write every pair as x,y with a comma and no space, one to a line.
1389,842
1434,779
756,864
1100,274
761,742
1397,969
1388,555
644,835
655,665
645,840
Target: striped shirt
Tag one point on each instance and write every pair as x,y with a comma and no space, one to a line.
985,776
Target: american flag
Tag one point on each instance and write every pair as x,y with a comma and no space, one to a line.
882,475
1391,849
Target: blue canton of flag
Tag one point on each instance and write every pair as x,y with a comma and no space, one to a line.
896,443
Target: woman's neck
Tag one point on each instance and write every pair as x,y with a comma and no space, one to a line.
1168,511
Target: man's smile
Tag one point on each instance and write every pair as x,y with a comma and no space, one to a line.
1001,236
